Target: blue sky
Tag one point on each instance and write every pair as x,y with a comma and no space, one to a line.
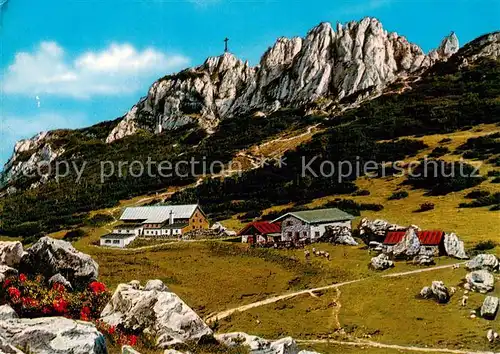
72,63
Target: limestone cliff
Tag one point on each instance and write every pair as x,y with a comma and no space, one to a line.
355,60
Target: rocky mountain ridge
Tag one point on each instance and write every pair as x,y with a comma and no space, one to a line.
328,70
356,61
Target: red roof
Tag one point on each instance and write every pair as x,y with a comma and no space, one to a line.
263,227
427,238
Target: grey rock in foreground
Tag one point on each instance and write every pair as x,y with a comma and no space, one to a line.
11,253
159,311
59,279
489,308
481,281
53,335
7,348
6,271
454,247
49,256
487,262
258,345
381,262
7,313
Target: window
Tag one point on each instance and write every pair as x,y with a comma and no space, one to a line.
107,241
304,233
289,234
316,234
289,223
115,242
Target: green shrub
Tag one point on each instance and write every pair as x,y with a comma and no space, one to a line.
74,235
439,151
477,194
485,245
398,195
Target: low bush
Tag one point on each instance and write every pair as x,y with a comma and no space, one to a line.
74,235
439,151
361,192
426,207
31,298
398,195
495,180
99,220
491,199
477,194
252,214
445,141
485,245
495,207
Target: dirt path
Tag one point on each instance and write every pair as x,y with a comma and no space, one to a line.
366,343
226,313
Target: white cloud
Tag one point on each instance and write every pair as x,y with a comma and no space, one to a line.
118,69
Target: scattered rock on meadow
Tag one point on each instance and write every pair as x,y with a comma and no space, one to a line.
7,313
454,247
487,262
258,345
340,235
381,262
490,307
50,257
158,311
438,291
376,230
11,253
424,260
481,281
53,335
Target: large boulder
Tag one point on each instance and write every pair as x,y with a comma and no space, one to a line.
440,291
376,230
7,348
454,247
483,261
437,291
481,281
340,235
490,307
158,311
409,246
6,271
11,253
53,335
50,257
7,313
381,262
257,345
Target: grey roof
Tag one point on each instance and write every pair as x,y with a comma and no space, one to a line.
116,236
319,215
158,214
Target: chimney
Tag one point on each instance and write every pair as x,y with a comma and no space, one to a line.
171,220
